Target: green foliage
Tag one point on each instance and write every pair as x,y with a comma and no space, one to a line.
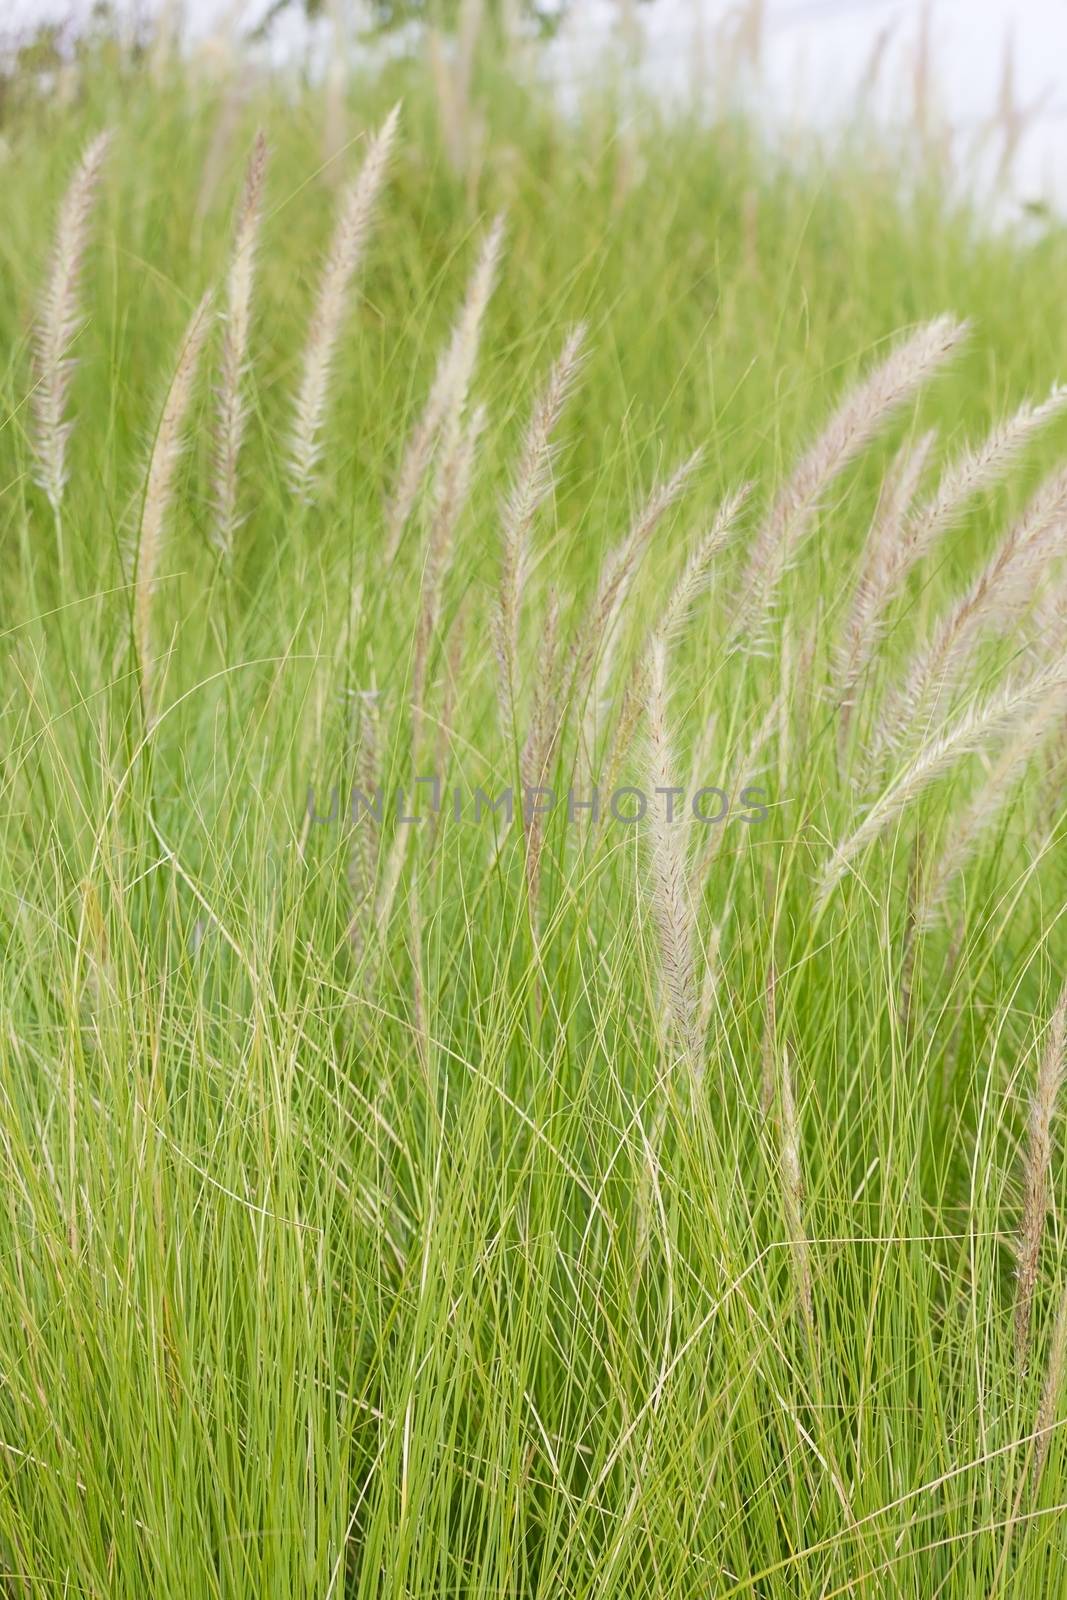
321,1254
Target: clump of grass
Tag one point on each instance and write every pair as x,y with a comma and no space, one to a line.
384,1206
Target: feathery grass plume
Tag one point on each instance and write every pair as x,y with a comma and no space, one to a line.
793,1194
974,470
158,494
696,573
450,496
231,410
971,732
531,484
448,392
593,647
857,421
955,850
1036,1168
672,908
859,636
1050,1392
355,213
59,320
996,598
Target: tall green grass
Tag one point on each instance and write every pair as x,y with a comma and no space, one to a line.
567,1208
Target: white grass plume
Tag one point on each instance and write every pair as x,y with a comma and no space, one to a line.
696,573
859,636
1036,1171
861,416
976,469
59,320
672,908
969,733
159,489
352,228
448,392
530,487
231,411
996,597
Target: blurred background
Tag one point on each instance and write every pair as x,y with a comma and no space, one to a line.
983,80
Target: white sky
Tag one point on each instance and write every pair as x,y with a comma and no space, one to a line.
816,52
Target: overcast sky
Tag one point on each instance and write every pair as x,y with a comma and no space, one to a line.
816,52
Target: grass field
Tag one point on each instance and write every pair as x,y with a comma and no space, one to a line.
552,1205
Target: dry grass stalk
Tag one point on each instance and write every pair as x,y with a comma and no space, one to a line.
448,392
672,907
1036,1171
793,1194
159,492
971,732
996,598
531,485
231,412
346,250
59,321
859,636
858,420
